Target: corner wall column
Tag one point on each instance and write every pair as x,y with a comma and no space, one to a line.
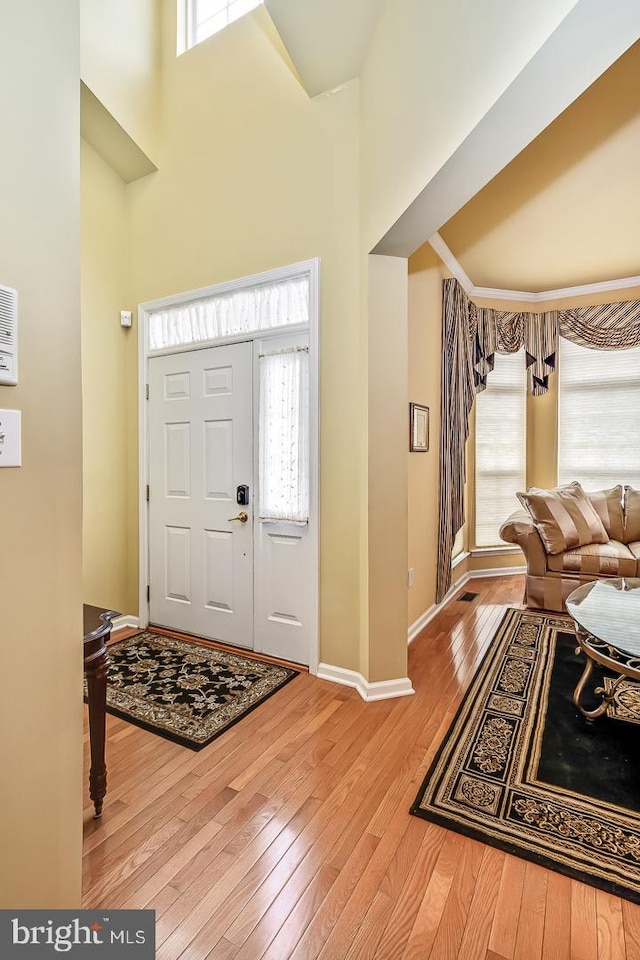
388,436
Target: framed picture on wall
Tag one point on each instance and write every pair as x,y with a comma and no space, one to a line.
418,428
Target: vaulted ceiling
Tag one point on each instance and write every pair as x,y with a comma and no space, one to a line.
326,39
566,210
563,212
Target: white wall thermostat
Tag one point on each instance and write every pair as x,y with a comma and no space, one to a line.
8,336
126,318
10,438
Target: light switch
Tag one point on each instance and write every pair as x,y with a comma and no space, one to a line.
10,438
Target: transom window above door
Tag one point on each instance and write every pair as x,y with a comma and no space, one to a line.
231,313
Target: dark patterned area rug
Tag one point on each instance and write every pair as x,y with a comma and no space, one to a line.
520,768
185,691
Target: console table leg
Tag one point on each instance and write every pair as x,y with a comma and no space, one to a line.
96,672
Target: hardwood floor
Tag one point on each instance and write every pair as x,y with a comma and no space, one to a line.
289,837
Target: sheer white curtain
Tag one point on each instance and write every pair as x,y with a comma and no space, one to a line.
229,314
283,488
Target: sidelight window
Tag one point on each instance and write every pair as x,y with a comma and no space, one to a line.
283,436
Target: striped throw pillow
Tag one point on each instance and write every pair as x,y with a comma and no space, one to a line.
608,506
631,515
564,517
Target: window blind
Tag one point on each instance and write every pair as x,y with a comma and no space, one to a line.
500,446
458,544
598,416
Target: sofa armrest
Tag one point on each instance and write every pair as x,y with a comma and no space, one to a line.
520,529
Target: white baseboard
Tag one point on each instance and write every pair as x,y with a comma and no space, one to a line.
381,690
493,572
418,625
126,620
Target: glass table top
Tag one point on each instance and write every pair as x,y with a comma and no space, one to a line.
610,611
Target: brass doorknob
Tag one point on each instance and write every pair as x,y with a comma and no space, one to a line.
242,517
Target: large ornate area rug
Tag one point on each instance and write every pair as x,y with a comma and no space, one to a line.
186,691
521,769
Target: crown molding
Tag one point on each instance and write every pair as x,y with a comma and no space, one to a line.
453,264
495,293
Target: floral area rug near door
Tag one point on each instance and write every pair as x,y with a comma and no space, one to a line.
185,691
521,769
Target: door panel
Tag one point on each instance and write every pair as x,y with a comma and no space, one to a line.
177,576
201,446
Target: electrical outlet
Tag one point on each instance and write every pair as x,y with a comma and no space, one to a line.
410,577
10,438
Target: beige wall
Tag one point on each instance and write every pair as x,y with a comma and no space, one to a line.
431,74
386,650
120,63
425,335
108,395
40,566
253,176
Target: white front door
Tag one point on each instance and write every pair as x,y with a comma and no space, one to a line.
200,452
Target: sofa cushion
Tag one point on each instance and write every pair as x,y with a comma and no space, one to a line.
631,515
564,517
634,546
608,506
611,559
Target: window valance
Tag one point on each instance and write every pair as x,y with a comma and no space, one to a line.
471,337
609,326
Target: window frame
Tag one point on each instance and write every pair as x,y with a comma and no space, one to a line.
188,22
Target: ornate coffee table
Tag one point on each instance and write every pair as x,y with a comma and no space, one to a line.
607,618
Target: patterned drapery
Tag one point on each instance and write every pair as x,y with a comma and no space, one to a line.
471,337
458,391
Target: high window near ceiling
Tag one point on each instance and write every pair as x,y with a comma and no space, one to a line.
500,454
598,416
206,17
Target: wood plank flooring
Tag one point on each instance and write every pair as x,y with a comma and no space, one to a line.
288,837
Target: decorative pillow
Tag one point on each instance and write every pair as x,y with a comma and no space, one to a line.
631,515
608,506
564,517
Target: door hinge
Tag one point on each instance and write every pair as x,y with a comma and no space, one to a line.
148,494
146,390
148,593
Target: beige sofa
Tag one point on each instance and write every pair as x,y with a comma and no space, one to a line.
553,572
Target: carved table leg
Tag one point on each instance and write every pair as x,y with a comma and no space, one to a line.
606,697
96,669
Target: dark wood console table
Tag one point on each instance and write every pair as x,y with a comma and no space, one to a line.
97,628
